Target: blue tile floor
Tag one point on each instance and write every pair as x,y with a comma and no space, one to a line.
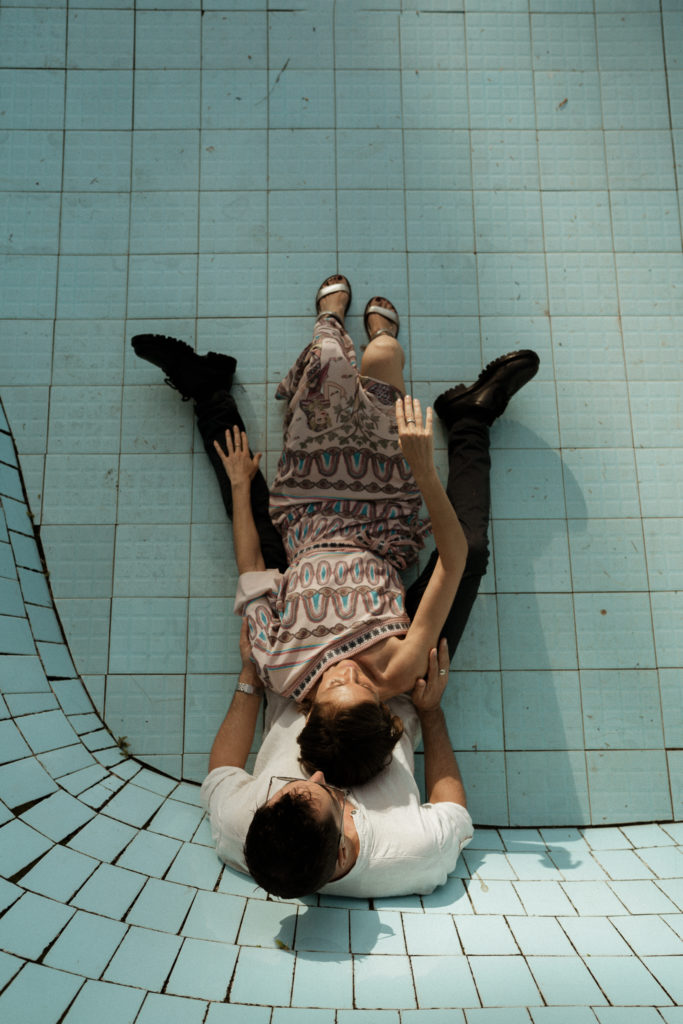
509,175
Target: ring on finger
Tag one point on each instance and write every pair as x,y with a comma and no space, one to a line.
442,671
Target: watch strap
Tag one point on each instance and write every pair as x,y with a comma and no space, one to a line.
248,688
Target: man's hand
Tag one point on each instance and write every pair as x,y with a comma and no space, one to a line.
239,464
427,693
415,437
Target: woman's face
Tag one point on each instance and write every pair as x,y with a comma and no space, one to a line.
345,684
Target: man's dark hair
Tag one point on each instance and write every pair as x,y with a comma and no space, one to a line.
350,745
288,850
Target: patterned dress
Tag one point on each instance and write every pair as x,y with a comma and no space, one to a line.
347,505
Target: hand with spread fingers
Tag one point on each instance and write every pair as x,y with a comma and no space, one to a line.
239,464
427,693
415,436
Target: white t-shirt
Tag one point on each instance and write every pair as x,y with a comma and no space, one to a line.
405,847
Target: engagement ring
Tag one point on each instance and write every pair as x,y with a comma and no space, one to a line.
442,671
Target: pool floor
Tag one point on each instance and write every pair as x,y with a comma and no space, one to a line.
507,172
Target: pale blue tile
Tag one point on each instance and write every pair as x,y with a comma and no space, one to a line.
237,159
302,38
12,743
33,157
537,793
573,159
592,936
102,838
631,40
505,159
213,916
99,101
536,634
488,934
100,39
447,283
226,1013
265,970
639,160
621,709
614,631
109,1004
531,555
235,99
364,99
31,924
324,979
322,930
370,39
135,621
21,845
627,982
143,959
443,982
165,160
542,710
539,935
646,221
666,970
376,930
508,221
304,220
634,99
504,980
271,923
203,970
601,483
565,980
196,865
32,99
568,100
432,99
473,709
577,221
29,223
563,42
384,982
439,221
39,995
433,42
86,945
607,554
57,816
110,891
500,99
232,222
149,854
167,99
636,783
168,40
17,271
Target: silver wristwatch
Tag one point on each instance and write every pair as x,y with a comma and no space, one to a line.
248,688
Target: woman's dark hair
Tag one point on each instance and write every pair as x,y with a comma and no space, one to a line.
288,850
350,745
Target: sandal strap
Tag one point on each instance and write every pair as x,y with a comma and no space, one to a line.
330,289
388,314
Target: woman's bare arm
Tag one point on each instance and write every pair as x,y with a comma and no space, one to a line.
240,467
451,544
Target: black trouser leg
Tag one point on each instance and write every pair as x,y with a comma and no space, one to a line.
214,416
469,491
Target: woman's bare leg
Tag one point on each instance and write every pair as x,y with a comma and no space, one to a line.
383,358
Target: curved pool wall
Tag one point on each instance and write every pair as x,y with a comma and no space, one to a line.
508,174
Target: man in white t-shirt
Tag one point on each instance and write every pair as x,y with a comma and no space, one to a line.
296,836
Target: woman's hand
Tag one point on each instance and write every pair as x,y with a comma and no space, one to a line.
239,464
415,437
427,693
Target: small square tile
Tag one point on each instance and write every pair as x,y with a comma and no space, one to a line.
431,99
99,101
46,992
143,959
98,1000
168,40
568,100
634,99
563,42
621,709
86,945
441,982
626,982
203,970
565,981
592,936
383,982
542,710
273,970
539,790
324,979
602,640
504,981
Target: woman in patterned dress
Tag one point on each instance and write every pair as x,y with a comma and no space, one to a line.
332,630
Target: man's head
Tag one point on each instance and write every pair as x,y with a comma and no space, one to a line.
349,733
295,843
